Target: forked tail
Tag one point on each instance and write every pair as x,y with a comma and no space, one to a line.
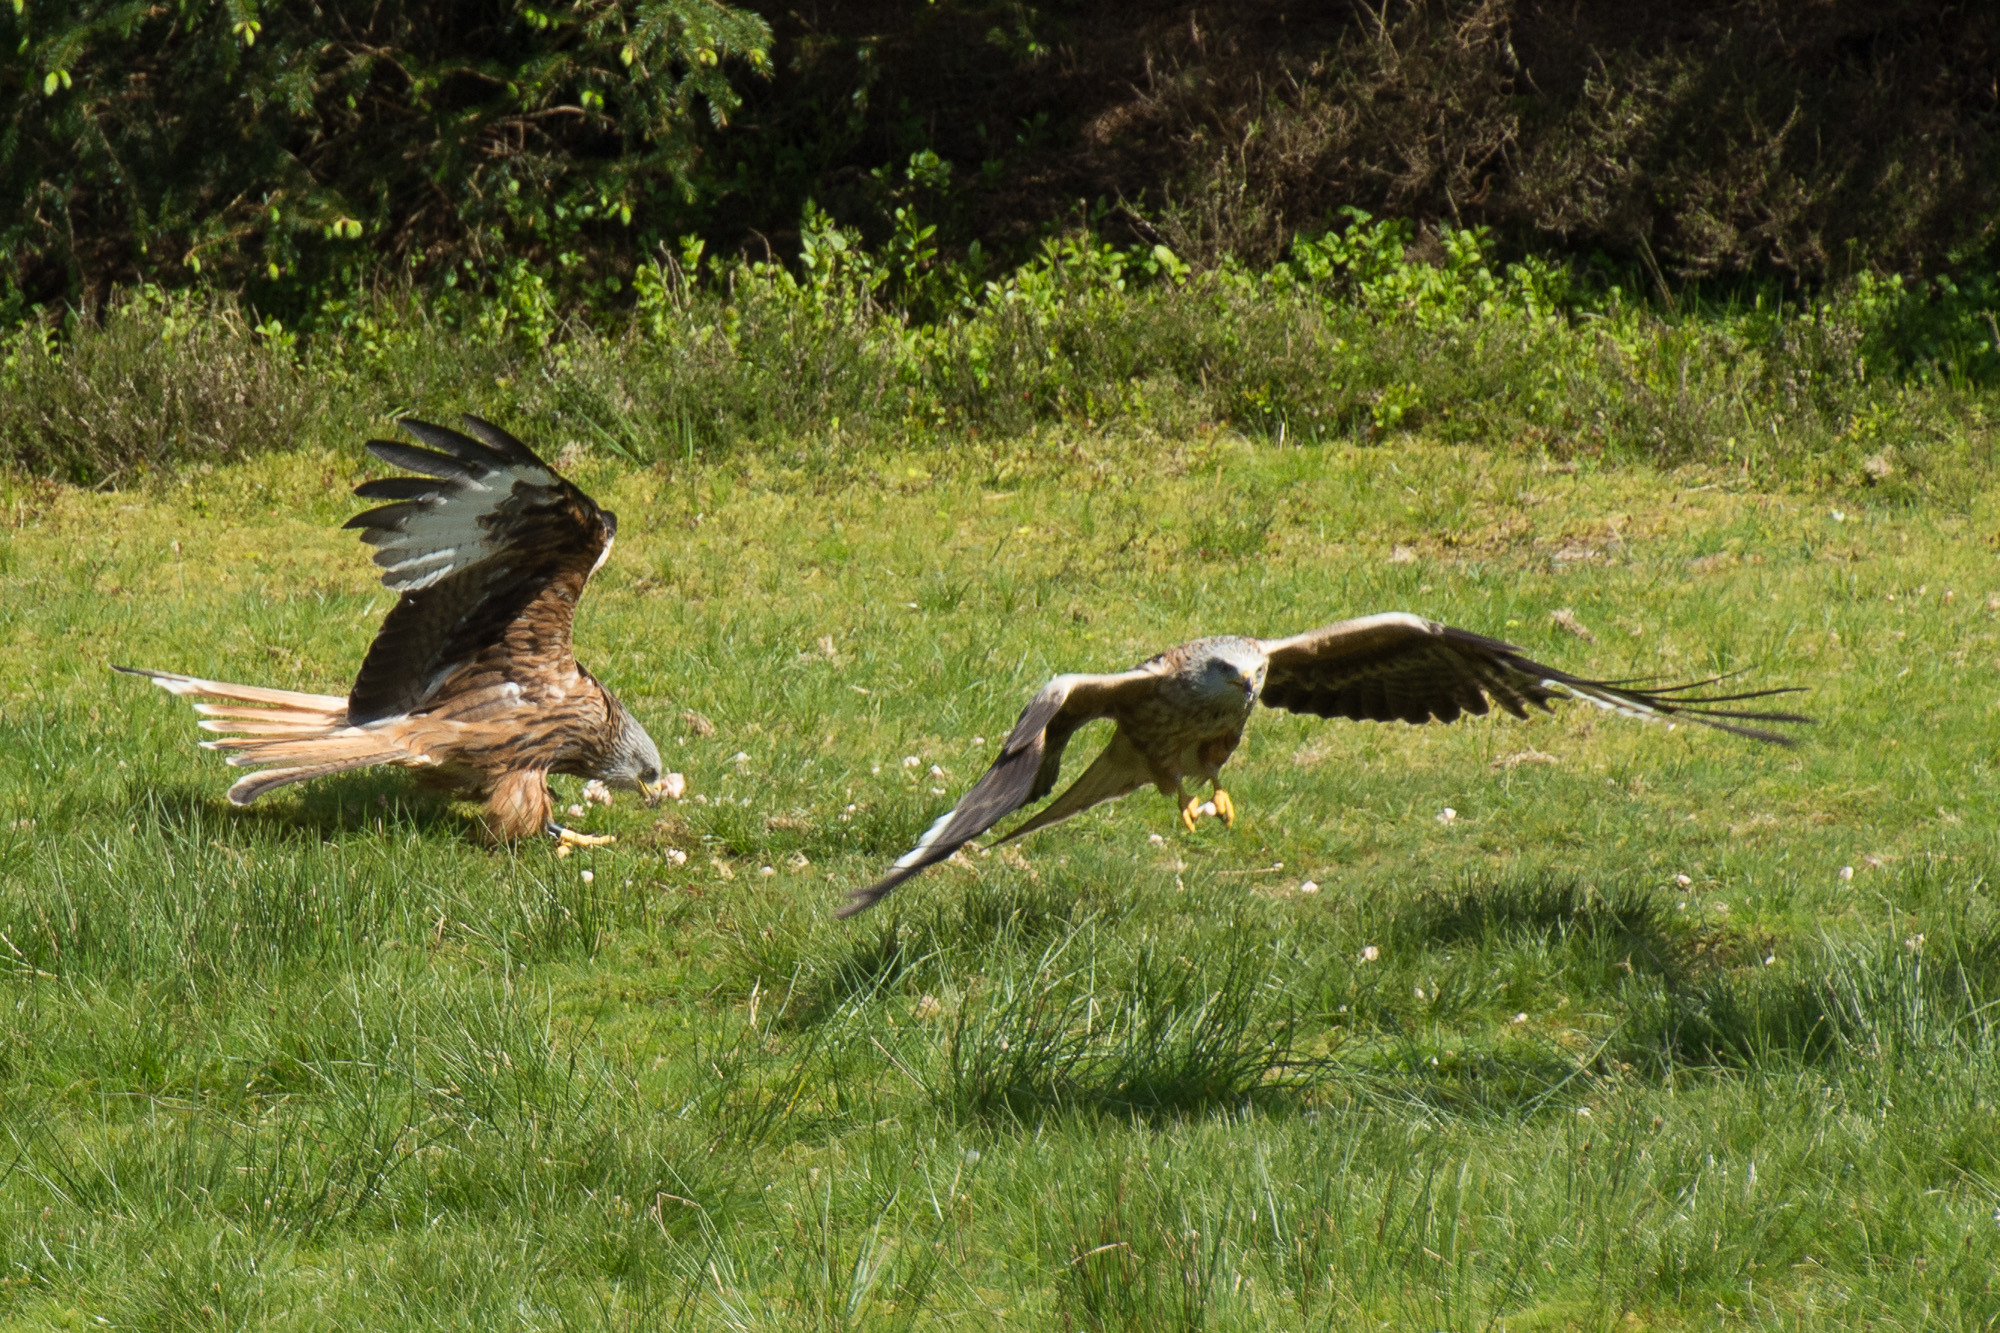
303,735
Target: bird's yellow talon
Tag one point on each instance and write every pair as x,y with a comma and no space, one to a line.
569,837
1188,812
1225,807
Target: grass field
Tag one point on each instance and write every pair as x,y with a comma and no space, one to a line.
1623,1044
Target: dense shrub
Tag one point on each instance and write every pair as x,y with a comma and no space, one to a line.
284,153
276,148
1886,384
1694,139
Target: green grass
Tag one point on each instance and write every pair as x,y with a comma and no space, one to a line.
328,1063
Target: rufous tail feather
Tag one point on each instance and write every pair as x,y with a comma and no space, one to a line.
307,734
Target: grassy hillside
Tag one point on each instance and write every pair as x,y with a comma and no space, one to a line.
1624,1042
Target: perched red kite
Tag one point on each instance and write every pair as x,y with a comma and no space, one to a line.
1180,715
471,675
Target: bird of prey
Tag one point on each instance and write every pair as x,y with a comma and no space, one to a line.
1180,715
471,675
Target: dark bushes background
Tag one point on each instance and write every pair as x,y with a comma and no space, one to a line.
288,151
1801,139
291,151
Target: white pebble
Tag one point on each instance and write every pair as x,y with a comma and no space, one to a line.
1839,517
596,792
1156,839
1446,815
767,872
1308,887
1520,1018
911,761
936,772
588,876
1847,872
675,856
1583,1111
576,812
740,757
1682,880
979,740
1370,954
875,768
1207,810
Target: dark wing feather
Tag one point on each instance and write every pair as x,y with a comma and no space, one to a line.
1403,666
1026,770
490,559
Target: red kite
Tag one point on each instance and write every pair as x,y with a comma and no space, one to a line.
1180,715
471,675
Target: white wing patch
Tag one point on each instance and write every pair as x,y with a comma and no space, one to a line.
925,843
1610,703
432,537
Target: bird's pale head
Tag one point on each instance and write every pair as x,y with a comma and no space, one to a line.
633,763
1230,667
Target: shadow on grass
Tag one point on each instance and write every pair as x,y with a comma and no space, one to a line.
350,803
1636,924
1868,1001
907,942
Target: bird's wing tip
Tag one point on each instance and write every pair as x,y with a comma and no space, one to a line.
858,902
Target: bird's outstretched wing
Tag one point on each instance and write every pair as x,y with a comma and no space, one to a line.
1399,666
490,550
1026,770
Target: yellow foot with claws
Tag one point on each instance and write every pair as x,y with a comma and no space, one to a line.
1189,811
1225,807
569,837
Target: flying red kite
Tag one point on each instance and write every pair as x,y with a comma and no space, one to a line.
471,675
1180,715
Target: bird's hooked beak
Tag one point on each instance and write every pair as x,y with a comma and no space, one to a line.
651,792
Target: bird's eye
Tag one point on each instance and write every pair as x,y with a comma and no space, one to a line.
650,775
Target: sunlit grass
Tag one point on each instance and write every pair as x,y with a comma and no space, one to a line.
1620,1043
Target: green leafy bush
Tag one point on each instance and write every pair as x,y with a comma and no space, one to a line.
282,151
1357,335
